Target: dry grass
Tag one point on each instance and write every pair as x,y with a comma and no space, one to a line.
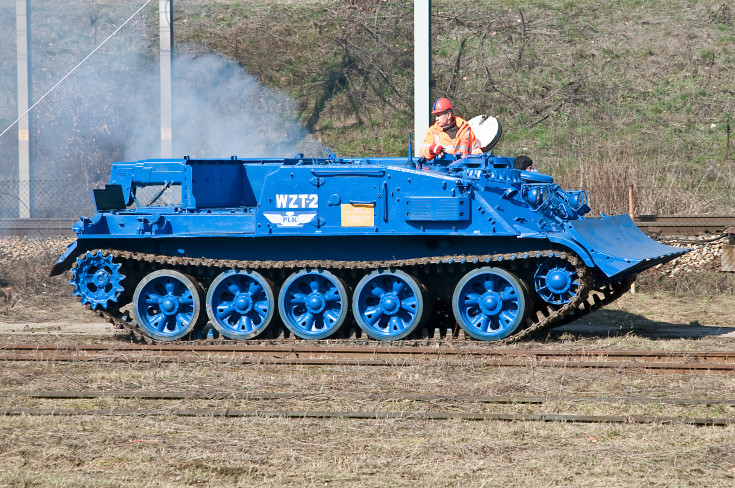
660,186
278,452
263,451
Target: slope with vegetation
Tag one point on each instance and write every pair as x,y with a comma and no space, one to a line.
601,94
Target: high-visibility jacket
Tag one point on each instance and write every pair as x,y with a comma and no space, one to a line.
464,142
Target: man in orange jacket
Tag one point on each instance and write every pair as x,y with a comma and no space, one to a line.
449,134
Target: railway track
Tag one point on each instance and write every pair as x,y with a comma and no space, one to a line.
300,404
692,225
379,355
687,225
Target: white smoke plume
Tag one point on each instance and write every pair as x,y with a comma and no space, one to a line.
109,109
219,111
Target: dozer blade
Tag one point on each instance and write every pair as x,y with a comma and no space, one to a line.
618,247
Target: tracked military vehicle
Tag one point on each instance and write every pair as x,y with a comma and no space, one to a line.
317,248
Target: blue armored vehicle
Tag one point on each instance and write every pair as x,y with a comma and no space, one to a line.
318,248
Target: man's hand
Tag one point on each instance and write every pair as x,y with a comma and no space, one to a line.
436,149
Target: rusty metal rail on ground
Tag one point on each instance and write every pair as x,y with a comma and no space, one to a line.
37,227
377,355
371,415
404,414
399,397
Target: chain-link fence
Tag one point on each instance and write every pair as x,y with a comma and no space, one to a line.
45,199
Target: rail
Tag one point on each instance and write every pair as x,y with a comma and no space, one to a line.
369,415
412,407
36,227
382,355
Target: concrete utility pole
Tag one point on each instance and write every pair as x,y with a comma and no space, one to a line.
166,29
23,33
421,69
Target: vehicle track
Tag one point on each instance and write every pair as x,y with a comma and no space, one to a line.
541,317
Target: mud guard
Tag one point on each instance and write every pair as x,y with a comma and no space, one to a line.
64,262
618,247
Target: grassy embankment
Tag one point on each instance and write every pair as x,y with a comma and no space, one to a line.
601,95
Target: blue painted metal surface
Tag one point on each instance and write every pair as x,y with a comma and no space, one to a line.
556,281
388,304
617,246
167,305
346,210
96,280
476,204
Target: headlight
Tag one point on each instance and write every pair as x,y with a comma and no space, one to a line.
535,195
577,198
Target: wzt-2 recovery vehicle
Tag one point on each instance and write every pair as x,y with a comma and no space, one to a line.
322,245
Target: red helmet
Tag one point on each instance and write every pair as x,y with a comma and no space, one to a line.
441,105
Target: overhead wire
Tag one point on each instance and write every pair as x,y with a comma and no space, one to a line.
75,68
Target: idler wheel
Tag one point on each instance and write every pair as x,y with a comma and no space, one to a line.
556,281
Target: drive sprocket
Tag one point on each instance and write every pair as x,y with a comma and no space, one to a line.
97,279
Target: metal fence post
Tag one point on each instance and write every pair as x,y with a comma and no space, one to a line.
23,40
